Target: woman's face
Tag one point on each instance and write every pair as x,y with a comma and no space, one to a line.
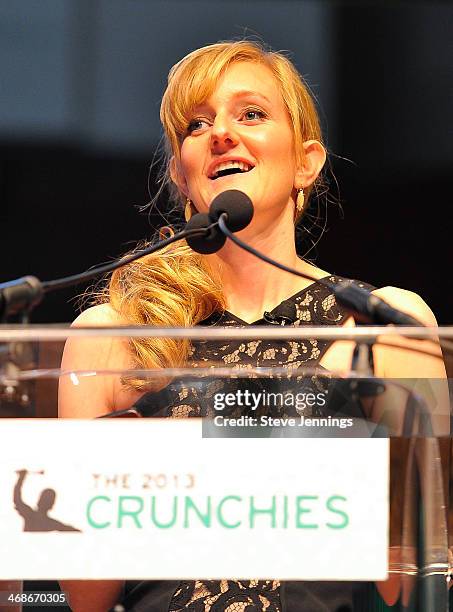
240,138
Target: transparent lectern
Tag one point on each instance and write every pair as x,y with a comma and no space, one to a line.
325,472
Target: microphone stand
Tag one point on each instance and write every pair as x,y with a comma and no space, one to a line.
366,308
21,295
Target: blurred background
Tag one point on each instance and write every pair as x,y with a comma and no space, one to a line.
81,82
80,89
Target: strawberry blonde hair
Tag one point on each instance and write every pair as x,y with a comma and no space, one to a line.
173,287
194,78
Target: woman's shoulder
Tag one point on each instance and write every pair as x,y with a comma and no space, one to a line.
99,350
405,357
99,315
95,395
408,302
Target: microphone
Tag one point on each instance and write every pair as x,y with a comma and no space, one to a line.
236,205
20,295
368,308
237,209
211,242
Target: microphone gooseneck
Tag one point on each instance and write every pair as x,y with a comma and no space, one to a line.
365,307
21,295
75,279
202,234
230,211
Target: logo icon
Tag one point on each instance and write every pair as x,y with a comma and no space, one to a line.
37,519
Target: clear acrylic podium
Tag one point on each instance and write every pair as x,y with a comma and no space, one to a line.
415,413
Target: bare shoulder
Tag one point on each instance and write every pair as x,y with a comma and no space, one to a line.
408,357
99,315
408,302
97,352
416,362
82,394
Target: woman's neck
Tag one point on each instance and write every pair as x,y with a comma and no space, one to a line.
252,286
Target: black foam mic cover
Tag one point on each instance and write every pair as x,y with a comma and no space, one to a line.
237,205
212,242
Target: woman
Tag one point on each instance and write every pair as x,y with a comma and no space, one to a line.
235,117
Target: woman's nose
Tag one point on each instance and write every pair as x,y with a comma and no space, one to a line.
223,134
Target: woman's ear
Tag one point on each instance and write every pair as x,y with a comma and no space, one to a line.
177,176
311,165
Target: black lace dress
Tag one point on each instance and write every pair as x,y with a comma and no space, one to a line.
315,305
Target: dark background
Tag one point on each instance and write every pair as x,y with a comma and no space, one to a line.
81,85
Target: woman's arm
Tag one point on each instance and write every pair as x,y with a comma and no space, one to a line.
400,363
92,595
91,397
424,373
81,396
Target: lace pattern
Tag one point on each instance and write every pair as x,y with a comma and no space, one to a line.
227,596
315,305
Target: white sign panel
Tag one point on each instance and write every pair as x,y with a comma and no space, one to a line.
135,499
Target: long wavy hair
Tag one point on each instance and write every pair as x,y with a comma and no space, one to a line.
174,287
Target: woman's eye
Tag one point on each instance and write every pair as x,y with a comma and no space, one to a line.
253,114
196,124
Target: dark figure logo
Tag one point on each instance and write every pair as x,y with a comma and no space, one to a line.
37,520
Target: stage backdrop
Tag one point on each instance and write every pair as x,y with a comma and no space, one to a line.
79,128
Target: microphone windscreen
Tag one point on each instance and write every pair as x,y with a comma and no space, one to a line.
212,242
237,205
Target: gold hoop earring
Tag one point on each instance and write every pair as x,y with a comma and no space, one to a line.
188,209
300,200
166,232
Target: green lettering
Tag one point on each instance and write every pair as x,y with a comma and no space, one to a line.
272,511
220,517
173,518
123,512
345,517
299,511
285,512
204,518
91,522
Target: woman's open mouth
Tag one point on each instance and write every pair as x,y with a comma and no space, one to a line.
230,167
